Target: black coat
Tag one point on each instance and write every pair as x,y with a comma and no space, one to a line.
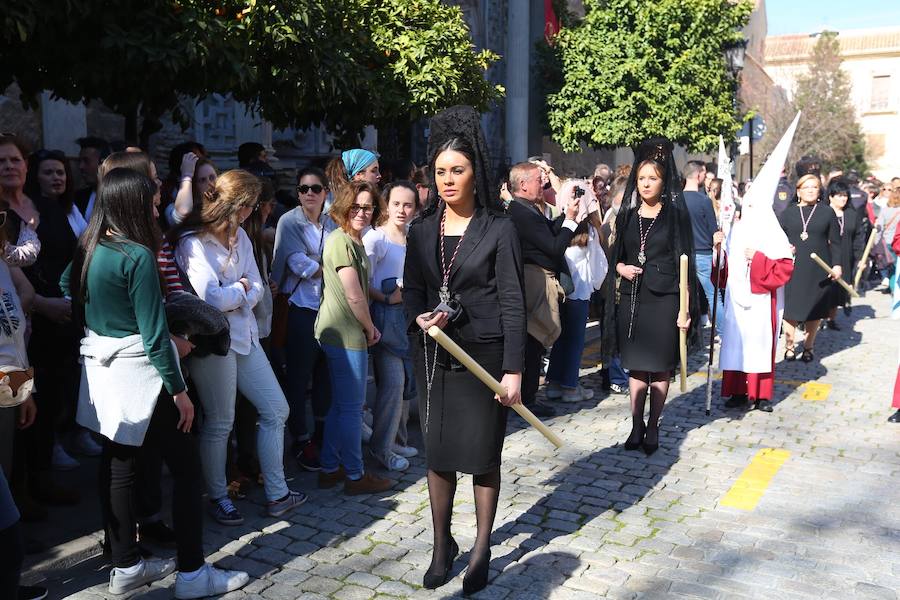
486,277
853,242
544,242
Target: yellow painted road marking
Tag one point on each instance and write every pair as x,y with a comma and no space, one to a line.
816,392
749,488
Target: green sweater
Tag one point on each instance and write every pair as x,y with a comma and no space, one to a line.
123,298
336,325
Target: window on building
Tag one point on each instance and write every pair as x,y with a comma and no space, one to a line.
881,92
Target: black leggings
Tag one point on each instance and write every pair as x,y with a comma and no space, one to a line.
117,485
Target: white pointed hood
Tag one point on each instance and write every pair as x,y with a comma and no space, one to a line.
759,228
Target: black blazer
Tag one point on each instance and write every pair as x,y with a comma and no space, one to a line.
486,277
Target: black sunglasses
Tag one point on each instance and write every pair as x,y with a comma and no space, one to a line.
316,188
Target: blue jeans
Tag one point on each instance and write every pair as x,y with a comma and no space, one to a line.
217,380
565,357
342,443
305,360
704,273
617,375
389,378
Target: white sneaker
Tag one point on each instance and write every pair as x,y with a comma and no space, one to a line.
61,460
84,444
366,432
148,571
210,582
577,394
393,462
553,390
404,451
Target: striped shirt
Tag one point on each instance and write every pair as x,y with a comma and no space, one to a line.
165,260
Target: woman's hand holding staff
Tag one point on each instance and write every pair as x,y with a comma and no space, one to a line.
834,274
478,371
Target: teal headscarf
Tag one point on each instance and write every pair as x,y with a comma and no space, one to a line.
356,160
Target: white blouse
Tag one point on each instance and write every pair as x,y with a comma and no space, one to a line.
214,272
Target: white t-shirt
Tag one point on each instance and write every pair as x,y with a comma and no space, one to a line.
385,256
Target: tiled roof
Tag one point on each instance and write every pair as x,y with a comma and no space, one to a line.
854,42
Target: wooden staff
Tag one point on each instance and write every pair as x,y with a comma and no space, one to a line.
865,257
682,317
838,280
478,371
718,258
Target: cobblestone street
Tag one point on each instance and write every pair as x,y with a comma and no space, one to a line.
816,519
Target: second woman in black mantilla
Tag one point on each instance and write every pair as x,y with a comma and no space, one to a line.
642,298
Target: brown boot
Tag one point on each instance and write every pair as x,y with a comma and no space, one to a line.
329,480
44,489
367,484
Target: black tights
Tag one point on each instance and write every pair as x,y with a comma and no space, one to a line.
441,489
639,382
117,486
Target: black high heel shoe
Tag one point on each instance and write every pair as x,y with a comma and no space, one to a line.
629,445
435,579
477,576
649,448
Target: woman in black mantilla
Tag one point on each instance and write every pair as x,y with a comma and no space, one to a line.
463,251
642,300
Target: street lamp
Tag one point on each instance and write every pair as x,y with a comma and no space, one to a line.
734,57
734,60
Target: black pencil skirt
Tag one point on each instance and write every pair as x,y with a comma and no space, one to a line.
463,425
654,342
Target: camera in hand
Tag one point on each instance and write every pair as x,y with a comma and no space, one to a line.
578,192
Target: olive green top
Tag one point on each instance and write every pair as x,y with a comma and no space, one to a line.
336,324
123,297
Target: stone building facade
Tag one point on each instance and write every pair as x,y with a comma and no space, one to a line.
871,58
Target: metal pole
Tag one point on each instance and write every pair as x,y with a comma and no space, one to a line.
750,129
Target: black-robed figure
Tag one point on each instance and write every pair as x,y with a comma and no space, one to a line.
853,226
463,251
641,289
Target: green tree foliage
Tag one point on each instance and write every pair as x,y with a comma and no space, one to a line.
345,63
634,69
828,127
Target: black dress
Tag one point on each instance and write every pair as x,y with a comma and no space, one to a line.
853,240
652,344
806,294
52,343
462,424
